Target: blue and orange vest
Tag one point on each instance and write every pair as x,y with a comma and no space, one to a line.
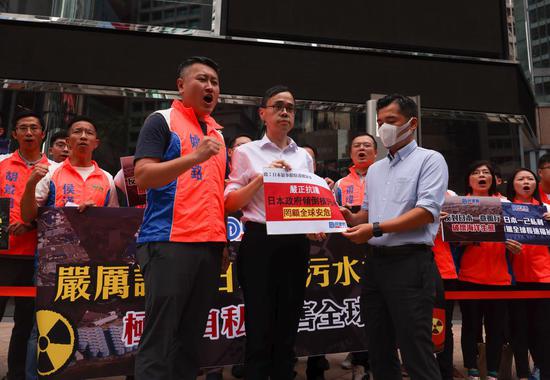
350,190
190,208
67,185
14,174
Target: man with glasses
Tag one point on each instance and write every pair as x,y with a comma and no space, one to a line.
76,182
349,192
272,269
16,263
544,175
59,150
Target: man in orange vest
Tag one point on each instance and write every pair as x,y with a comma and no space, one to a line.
181,161
544,175
16,263
78,181
349,190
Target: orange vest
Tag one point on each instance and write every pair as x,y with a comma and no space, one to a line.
190,208
444,258
350,190
67,185
14,174
532,264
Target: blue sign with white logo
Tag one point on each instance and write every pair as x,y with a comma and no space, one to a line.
525,224
235,229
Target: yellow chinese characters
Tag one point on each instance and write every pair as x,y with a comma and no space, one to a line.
306,212
321,271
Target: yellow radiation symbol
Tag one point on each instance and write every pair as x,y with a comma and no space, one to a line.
56,341
437,326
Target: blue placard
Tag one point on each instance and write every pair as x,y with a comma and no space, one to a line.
524,223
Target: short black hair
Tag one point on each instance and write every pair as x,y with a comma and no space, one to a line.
198,59
272,91
407,106
312,149
543,160
473,166
78,118
355,135
25,112
58,135
511,192
234,139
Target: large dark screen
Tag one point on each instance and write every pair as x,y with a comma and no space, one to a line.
466,27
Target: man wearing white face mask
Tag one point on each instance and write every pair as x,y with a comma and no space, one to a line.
399,219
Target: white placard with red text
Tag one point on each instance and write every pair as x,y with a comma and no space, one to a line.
298,203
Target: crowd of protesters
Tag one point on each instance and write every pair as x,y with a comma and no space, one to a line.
192,181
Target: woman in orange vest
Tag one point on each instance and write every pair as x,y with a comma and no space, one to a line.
529,327
483,266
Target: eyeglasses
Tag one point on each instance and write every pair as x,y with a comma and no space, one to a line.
280,106
365,144
32,128
478,172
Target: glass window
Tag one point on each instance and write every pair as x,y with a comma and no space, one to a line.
471,136
131,12
119,119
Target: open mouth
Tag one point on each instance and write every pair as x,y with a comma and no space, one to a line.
526,188
208,98
362,155
482,182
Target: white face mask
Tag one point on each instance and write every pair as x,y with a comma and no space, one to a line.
389,132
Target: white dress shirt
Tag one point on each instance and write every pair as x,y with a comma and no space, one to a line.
250,159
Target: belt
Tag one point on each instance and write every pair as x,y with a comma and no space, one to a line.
399,249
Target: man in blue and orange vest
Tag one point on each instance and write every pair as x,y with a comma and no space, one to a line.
16,263
349,190
77,181
181,160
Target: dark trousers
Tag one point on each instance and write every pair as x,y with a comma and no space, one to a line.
18,272
398,298
445,358
530,330
181,283
272,271
490,313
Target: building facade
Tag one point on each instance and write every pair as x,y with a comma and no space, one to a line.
116,61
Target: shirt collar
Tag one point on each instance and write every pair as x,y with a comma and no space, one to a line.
353,172
402,153
265,141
